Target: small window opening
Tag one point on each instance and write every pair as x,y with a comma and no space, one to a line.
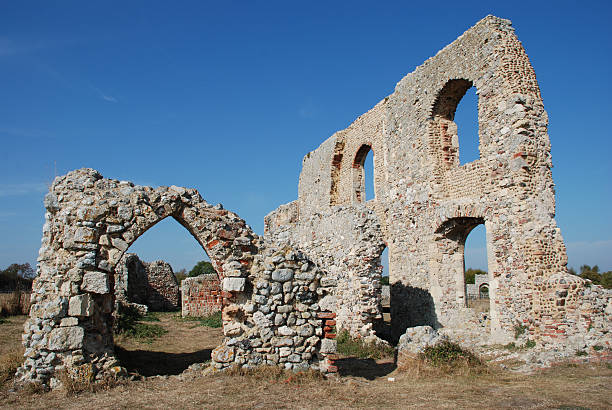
363,174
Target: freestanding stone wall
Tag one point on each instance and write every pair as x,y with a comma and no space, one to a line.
151,284
426,202
201,296
270,296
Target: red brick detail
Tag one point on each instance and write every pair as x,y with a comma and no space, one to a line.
202,298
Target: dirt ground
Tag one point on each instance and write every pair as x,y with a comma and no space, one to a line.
362,384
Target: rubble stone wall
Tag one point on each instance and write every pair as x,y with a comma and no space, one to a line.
201,296
270,294
318,268
426,202
151,284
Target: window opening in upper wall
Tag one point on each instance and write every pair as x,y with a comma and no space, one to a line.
466,118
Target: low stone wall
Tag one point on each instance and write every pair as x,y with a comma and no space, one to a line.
201,295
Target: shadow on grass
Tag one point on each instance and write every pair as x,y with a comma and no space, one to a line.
366,368
148,363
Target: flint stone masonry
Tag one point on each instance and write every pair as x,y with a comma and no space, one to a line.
318,267
151,284
83,272
426,203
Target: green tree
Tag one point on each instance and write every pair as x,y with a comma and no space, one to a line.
202,268
470,275
180,275
17,277
606,279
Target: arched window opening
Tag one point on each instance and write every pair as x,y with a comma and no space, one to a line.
455,123
148,322
475,269
363,174
466,118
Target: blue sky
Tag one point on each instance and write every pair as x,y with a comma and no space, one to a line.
227,97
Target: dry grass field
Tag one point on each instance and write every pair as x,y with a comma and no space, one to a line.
363,383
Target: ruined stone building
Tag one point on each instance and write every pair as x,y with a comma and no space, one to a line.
317,269
147,284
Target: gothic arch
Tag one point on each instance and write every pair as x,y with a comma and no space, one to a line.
90,223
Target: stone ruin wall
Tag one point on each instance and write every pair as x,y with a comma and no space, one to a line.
426,202
201,296
270,293
152,284
318,268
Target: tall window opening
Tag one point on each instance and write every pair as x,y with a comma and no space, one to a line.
466,118
455,123
150,335
368,170
363,174
475,269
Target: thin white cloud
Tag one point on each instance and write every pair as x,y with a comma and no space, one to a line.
23,189
104,96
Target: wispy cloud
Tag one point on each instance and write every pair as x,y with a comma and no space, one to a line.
104,96
23,189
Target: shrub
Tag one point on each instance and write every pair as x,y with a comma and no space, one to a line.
449,354
581,353
350,346
597,348
519,330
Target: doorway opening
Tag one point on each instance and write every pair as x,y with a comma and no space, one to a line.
150,335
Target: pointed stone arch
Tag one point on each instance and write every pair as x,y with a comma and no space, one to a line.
90,223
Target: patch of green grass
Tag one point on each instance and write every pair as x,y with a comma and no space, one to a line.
350,346
530,343
449,353
214,320
150,317
597,348
581,353
145,332
128,323
3,320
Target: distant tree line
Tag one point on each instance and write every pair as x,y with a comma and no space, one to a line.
200,268
592,273
470,275
17,277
